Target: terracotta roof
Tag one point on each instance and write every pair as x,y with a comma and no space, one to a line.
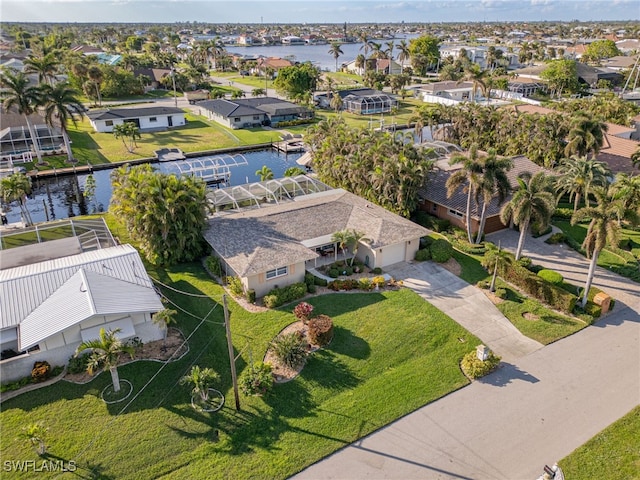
616,152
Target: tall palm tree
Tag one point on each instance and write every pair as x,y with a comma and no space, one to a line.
365,47
361,62
626,189
533,201
18,94
60,103
355,238
96,76
586,135
265,173
336,51
494,184
578,176
105,353
477,76
46,66
603,228
495,259
469,177
405,53
16,187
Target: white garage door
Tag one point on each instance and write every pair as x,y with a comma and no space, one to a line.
393,254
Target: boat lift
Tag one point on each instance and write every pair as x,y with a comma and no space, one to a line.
213,170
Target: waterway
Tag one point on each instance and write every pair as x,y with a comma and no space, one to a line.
317,54
62,197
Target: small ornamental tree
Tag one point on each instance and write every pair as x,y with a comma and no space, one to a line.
35,434
303,311
321,330
257,379
290,349
200,379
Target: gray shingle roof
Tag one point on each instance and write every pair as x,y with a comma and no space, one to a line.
254,241
125,113
251,106
435,189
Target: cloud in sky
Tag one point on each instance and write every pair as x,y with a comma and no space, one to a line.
313,11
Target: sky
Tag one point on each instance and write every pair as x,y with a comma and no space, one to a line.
312,11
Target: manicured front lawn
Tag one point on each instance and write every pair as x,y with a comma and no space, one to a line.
392,353
613,454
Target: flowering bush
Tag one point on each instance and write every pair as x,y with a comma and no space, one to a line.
257,379
303,311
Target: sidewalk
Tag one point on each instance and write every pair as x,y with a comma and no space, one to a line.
467,305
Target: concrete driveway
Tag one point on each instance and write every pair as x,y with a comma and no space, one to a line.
467,305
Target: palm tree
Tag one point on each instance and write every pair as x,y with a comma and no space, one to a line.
293,172
578,176
404,54
626,189
17,187
635,157
533,201
17,93
258,92
96,76
477,76
366,45
603,228
586,135
106,352
495,259
35,434
389,53
336,102
336,51
264,174
342,238
163,319
494,183
200,379
128,132
361,62
60,102
355,237
469,177
45,66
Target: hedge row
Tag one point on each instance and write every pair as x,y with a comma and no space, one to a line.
280,296
539,288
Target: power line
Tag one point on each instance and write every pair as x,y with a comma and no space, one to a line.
181,291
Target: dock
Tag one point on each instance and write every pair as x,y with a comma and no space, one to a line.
169,154
292,145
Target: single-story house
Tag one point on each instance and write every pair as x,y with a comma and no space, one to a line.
592,75
155,75
146,118
16,141
56,297
252,112
447,92
380,65
434,199
364,101
273,245
273,63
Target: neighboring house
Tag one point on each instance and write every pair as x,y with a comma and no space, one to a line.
620,62
273,63
273,245
147,118
252,112
15,139
448,92
155,75
434,200
381,65
56,297
592,75
292,40
364,101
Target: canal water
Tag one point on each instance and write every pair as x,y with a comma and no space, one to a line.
62,197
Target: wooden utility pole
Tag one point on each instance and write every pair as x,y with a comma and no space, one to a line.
232,358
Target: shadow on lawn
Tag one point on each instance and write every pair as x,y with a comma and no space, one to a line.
325,370
346,343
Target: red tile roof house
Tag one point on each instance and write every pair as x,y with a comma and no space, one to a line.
434,199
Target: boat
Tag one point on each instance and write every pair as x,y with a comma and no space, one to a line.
169,154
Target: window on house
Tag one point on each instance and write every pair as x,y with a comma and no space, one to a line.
237,119
109,123
277,272
434,208
153,119
256,117
455,213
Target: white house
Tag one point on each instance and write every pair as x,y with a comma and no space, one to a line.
275,244
55,296
148,118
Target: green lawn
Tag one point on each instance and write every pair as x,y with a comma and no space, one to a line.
250,80
392,353
613,454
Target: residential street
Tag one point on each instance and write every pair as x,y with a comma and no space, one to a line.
533,411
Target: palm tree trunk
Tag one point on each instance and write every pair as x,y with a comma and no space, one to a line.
115,379
34,139
592,271
468,217
25,211
483,219
576,202
67,145
523,232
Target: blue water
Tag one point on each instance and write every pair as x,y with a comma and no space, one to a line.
62,197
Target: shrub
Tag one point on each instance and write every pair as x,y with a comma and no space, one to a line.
348,271
213,265
310,282
564,213
251,295
320,330
422,218
333,273
525,262
280,296
425,242
471,248
556,238
303,311
476,368
365,284
441,250
441,225
78,364
484,284
592,309
536,232
40,371
17,385
378,281
423,255
321,282
135,342
501,293
551,276
257,379
377,271
235,286
625,243
290,349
